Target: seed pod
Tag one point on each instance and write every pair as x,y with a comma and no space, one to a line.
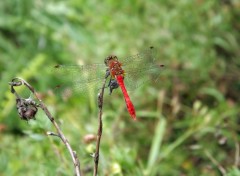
26,109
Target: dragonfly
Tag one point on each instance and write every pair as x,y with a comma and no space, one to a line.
130,72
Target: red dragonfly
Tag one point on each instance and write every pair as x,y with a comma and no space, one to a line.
134,71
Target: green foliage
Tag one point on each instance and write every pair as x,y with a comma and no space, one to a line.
188,123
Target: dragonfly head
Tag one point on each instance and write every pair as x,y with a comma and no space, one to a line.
110,58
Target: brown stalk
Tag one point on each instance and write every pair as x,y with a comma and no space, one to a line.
99,135
19,82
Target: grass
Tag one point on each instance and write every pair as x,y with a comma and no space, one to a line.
188,121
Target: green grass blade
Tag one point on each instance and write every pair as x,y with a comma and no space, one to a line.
156,143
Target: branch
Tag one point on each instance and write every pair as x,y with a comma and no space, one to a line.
215,162
27,110
99,135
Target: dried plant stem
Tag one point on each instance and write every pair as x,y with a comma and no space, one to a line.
236,163
60,134
215,162
99,135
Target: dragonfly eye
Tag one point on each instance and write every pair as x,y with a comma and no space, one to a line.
111,57
106,61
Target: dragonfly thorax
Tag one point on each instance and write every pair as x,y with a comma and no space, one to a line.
114,66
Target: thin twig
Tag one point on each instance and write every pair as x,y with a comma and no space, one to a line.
236,163
215,162
20,81
100,106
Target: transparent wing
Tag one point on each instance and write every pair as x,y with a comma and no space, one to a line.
148,56
136,79
139,69
79,78
142,68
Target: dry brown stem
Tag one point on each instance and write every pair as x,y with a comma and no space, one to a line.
20,82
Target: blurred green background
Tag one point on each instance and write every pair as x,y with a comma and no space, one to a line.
188,123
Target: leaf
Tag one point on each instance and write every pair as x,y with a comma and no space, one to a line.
156,143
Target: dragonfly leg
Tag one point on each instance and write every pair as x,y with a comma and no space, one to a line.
107,73
113,84
108,86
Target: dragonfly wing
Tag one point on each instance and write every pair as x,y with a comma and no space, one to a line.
142,68
78,78
148,56
134,80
